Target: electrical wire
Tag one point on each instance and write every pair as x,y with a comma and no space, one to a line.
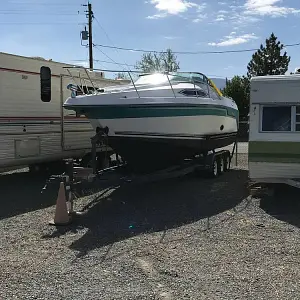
109,57
110,41
39,23
105,61
137,71
187,52
38,13
42,4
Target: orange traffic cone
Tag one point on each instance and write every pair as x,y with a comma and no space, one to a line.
61,211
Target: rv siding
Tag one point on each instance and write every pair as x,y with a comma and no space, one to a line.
275,90
269,171
273,155
277,152
26,121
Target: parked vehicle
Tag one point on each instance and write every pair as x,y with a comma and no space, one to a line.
165,117
38,134
274,138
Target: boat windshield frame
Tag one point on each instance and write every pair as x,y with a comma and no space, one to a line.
196,78
173,77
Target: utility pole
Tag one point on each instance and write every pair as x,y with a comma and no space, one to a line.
90,19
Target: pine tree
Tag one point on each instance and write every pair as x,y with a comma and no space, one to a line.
268,60
238,88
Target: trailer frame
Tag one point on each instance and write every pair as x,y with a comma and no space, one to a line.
77,179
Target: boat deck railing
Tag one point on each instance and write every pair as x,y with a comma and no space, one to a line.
93,86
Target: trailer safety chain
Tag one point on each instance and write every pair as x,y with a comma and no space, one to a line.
53,178
233,150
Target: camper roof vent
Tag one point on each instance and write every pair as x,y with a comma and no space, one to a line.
297,70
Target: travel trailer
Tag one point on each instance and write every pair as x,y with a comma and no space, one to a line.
37,134
274,137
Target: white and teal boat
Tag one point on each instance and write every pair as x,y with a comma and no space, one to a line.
161,118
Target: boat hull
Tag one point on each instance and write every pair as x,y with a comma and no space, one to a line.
144,154
159,132
155,143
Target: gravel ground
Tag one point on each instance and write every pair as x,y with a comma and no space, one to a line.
187,238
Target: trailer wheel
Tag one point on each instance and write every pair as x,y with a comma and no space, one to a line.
220,164
213,172
226,162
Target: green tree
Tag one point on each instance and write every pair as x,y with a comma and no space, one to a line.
238,88
158,62
268,60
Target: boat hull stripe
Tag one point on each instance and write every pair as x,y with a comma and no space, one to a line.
128,111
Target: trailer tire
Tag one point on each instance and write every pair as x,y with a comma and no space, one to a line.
226,162
213,171
220,164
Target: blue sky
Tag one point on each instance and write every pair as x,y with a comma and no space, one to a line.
51,29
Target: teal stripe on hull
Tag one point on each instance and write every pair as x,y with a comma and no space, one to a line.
140,111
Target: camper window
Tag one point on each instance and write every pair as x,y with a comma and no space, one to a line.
45,83
276,118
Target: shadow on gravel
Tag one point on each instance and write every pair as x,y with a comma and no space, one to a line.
21,193
284,205
135,209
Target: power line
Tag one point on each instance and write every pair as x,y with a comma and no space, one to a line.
38,23
188,52
38,13
103,30
109,40
106,62
109,62
42,4
142,72
108,57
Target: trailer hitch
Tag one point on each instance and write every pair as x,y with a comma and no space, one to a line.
51,179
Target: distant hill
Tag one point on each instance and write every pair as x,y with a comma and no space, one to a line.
219,82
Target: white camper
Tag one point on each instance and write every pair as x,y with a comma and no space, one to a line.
36,133
274,135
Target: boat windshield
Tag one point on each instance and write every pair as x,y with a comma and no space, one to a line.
191,77
173,77
152,79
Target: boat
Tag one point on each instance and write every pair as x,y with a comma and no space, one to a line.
161,118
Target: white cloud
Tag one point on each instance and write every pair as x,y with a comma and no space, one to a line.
268,8
173,7
223,11
200,18
233,39
157,16
220,18
171,37
84,64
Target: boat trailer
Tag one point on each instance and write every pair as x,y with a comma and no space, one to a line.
78,181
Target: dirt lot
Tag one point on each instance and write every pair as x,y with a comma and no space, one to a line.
185,238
